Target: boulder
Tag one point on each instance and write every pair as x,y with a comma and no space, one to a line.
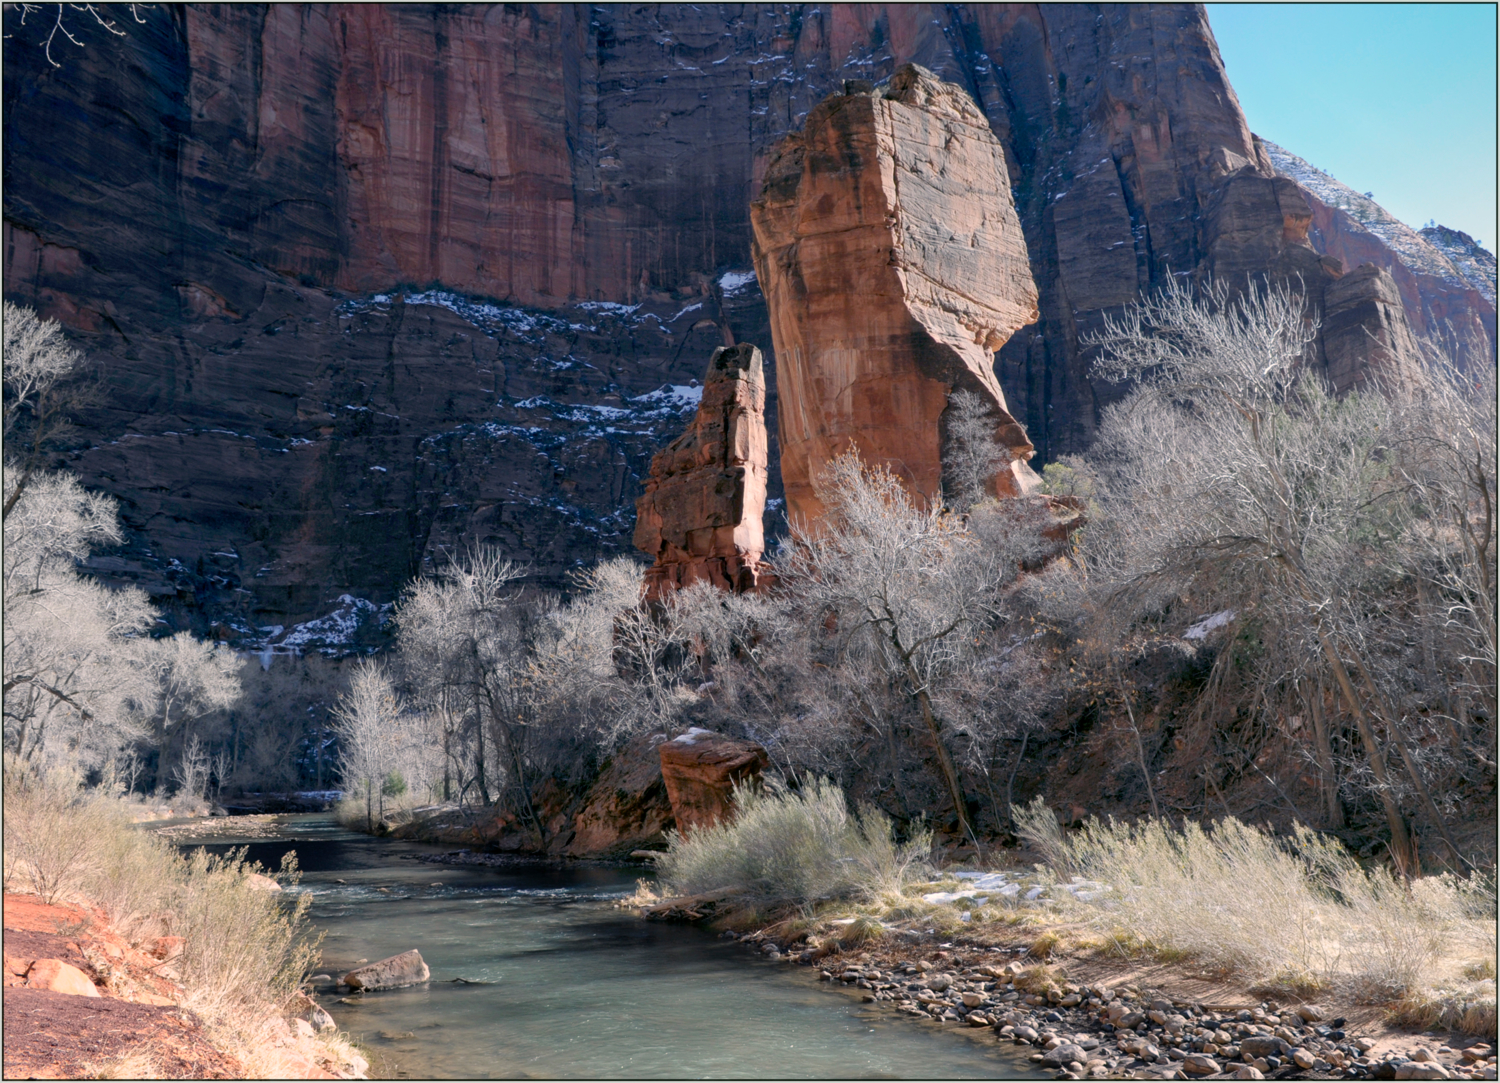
700,516
392,973
1062,1054
166,947
262,883
16,968
700,770
1200,1064
627,807
888,248
60,977
1262,1045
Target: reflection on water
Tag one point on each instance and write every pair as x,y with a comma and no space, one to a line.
558,984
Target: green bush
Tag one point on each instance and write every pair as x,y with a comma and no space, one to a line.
792,848
393,786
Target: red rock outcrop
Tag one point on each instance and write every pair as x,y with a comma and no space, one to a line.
622,809
626,808
1365,332
700,518
701,770
893,263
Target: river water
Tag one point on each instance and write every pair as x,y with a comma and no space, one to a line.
567,987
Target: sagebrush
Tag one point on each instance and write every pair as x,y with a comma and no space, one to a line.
785,847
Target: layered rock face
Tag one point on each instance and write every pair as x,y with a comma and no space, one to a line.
701,770
1366,334
893,264
1445,282
700,518
367,284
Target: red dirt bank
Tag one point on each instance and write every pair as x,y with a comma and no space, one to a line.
135,1014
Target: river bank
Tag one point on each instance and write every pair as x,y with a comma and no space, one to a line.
84,1001
1098,1018
540,967
557,982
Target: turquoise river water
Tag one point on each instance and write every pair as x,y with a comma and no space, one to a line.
568,987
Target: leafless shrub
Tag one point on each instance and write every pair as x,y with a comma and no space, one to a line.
1232,482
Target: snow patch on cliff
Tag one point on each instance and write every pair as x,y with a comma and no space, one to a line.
335,633
733,282
678,397
1411,247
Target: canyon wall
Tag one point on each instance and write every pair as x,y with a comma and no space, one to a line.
366,284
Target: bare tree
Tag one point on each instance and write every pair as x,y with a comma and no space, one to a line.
193,768
54,19
196,678
1234,479
972,455
911,585
367,722
73,683
471,633
38,393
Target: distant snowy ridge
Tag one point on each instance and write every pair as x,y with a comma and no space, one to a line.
1414,249
1474,261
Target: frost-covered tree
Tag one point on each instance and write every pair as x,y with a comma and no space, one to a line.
39,390
1233,479
195,678
910,588
972,455
74,686
378,737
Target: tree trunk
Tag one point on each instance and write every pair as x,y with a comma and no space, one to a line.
1333,811
1140,751
1413,772
945,764
447,758
1401,847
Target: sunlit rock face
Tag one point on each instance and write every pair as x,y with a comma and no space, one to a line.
893,263
700,518
701,770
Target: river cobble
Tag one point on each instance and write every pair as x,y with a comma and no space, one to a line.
1120,1032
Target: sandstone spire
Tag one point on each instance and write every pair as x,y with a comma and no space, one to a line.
700,516
890,254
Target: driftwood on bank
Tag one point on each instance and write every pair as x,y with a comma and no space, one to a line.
689,907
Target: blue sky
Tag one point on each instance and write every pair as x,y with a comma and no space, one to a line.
1394,99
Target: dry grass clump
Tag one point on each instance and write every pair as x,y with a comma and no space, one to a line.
1298,913
136,1062
785,848
1469,1008
1044,946
245,950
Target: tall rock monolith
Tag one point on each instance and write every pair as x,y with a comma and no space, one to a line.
889,251
700,516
